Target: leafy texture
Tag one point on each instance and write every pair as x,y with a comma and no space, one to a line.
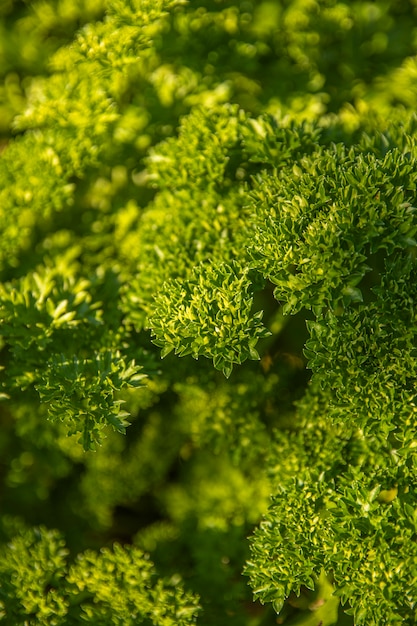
210,315
116,586
352,508
223,179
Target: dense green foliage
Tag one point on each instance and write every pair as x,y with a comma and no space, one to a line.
113,587
228,185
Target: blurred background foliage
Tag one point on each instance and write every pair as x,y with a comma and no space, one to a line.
189,481
306,57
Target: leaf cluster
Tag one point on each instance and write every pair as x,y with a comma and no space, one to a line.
113,586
